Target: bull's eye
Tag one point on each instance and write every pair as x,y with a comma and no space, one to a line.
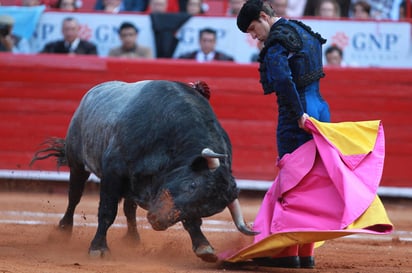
192,186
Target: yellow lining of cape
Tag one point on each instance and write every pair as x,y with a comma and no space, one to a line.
350,138
274,244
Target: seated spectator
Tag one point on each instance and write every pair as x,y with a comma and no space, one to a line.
128,34
71,42
67,5
384,9
296,8
313,5
334,56
280,7
147,6
234,7
158,6
328,9
125,5
112,6
195,7
361,10
10,42
207,51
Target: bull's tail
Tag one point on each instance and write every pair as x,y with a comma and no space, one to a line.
55,147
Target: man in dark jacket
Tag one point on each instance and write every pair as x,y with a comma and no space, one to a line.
207,51
71,43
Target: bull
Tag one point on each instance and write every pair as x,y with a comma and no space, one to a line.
156,144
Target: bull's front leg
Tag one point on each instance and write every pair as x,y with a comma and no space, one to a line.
109,197
129,209
200,244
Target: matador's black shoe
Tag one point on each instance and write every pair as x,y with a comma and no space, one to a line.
307,262
285,262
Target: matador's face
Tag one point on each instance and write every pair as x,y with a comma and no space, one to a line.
259,29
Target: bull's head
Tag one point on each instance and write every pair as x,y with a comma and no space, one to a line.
201,189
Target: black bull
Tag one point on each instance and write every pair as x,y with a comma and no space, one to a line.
158,145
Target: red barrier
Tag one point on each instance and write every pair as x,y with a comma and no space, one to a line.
40,93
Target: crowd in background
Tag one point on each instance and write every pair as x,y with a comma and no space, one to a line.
358,9
128,33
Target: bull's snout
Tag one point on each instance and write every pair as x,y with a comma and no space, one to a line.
156,223
163,214
163,221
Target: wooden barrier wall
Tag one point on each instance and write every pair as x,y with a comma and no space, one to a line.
40,93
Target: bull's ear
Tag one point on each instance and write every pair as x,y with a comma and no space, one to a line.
199,164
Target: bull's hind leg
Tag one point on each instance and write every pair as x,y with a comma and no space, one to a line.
200,244
78,178
129,209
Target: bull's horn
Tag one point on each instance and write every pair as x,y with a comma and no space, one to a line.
212,158
237,217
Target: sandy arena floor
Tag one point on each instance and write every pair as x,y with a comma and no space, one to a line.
29,241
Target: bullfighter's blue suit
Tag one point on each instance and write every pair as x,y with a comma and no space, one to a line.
291,66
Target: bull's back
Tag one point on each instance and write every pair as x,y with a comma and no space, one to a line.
134,116
94,122
109,98
108,103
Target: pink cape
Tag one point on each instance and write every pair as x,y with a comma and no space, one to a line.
323,188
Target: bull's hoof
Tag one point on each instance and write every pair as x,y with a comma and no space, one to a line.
131,239
98,253
59,235
206,253
65,228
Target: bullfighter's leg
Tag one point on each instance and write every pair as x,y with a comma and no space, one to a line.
306,255
110,194
200,244
129,209
78,178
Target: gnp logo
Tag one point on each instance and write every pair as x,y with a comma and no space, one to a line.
377,49
362,41
370,48
378,42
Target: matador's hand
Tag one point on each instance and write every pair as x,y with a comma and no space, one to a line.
301,122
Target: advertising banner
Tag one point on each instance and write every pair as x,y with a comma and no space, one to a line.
99,28
364,43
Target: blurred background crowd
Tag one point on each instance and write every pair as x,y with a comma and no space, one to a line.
171,14
357,9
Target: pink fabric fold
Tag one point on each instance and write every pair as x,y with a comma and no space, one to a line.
318,188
